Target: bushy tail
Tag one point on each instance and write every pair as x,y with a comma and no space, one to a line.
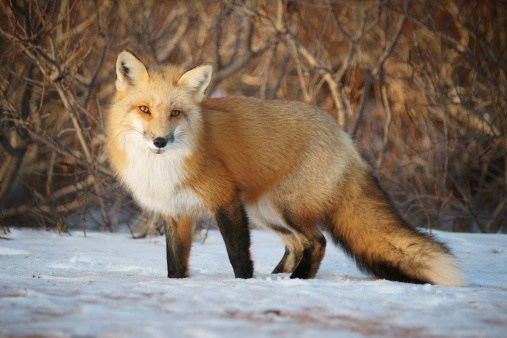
368,227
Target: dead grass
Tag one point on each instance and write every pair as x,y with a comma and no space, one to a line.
421,85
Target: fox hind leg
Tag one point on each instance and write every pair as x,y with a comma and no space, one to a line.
313,253
314,247
293,250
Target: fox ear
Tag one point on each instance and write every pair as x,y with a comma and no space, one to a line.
130,70
197,79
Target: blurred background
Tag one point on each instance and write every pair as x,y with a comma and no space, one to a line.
420,85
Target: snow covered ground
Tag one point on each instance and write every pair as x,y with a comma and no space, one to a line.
112,285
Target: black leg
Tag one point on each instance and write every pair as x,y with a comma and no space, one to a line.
280,268
233,224
293,249
314,246
178,234
312,256
293,253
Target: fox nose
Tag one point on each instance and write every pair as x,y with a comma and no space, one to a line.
160,142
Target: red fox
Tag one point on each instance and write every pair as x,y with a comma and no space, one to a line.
287,166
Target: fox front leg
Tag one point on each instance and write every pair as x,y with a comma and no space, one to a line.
178,235
233,224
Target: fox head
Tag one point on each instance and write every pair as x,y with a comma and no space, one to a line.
159,106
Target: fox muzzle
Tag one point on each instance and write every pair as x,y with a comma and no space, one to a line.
161,142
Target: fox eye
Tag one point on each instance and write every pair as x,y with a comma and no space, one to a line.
145,109
175,113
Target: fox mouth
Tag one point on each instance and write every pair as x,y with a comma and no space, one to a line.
158,151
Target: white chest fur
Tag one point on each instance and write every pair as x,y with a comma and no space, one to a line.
156,180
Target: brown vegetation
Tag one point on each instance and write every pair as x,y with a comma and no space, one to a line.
421,86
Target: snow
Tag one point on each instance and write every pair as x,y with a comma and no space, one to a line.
108,284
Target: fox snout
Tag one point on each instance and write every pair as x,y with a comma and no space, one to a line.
161,142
